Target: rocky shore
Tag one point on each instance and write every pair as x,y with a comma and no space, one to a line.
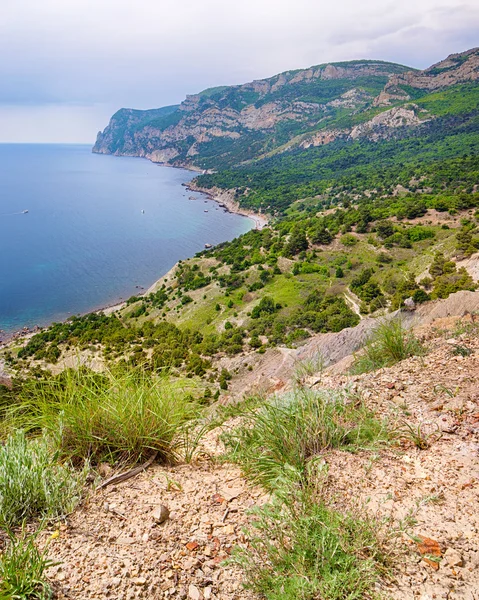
226,199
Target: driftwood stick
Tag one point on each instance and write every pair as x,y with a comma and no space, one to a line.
128,474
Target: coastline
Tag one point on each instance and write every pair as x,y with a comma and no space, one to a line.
225,198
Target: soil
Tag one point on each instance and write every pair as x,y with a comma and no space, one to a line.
423,489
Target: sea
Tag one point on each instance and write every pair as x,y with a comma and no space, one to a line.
81,231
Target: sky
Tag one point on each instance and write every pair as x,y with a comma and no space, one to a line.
67,65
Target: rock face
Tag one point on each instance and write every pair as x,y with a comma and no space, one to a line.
237,123
456,68
176,134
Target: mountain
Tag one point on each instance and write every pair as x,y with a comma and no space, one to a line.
242,121
227,126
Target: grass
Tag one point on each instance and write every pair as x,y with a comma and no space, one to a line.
33,484
300,548
109,417
291,430
307,367
389,343
22,569
304,550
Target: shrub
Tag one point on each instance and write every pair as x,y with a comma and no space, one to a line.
389,343
349,240
110,417
33,484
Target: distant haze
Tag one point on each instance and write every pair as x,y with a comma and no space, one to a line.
68,65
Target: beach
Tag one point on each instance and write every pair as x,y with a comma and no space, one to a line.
227,200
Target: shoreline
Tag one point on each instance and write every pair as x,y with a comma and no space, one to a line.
219,195
225,198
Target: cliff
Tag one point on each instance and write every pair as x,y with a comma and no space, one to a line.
239,122
225,126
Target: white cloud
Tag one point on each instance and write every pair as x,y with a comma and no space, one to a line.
147,53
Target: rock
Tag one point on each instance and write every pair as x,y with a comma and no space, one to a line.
139,581
410,304
160,514
194,593
453,558
207,592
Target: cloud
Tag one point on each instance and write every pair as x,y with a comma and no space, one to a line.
103,54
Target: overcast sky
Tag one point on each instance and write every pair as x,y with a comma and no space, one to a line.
67,65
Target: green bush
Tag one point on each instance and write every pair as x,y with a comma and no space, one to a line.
33,484
389,343
109,417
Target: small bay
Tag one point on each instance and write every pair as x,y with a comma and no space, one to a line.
98,229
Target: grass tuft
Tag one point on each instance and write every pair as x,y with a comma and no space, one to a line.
22,569
290,430
389,343
301,549
109,417
299,546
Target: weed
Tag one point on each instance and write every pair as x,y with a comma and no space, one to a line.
389,343
307,368
32,482
417,436
302,549
459,350
292,429
442,388
22,569
110,417
299,547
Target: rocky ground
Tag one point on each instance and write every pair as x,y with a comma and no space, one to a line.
424,490
164,534
431,494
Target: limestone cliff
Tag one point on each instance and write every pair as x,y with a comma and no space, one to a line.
224,126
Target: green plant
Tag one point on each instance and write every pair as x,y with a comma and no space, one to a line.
308,367
417,435
22,569
33,484
126,416
460,350
299,548
291,430
388,344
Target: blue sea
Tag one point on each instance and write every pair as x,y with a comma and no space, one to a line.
85,241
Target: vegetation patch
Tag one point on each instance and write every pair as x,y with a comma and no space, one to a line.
127,416
23,569
299,546
389,343
33,484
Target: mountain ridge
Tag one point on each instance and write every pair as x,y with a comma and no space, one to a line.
231,125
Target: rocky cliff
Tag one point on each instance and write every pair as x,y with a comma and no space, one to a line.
229,125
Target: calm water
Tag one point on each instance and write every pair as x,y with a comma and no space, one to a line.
85,242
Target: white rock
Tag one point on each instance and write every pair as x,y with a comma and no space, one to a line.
453,558
161,514
194,593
